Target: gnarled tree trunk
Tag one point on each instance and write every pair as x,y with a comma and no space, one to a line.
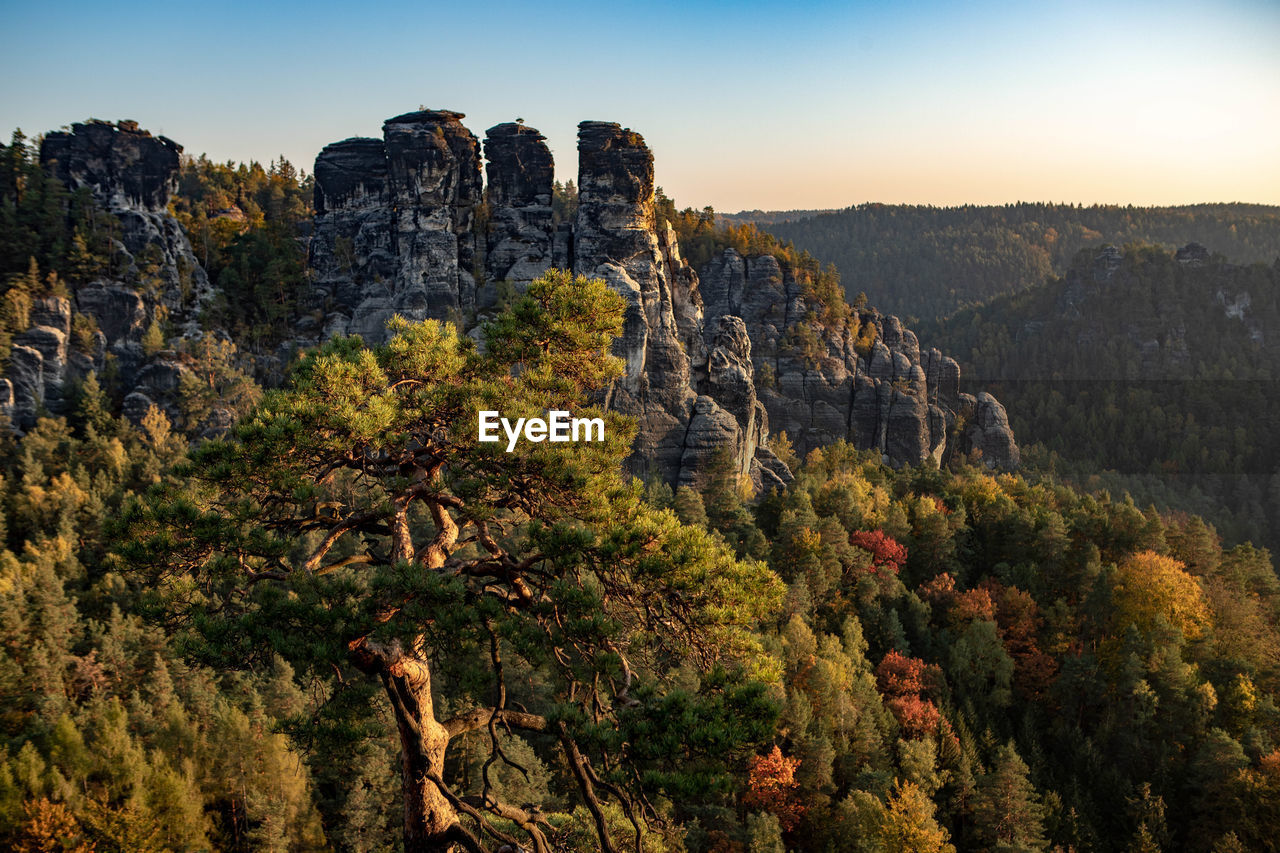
430,819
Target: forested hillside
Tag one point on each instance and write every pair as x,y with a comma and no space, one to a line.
959,660
927,262
245,222
1147,371
328,619
771,217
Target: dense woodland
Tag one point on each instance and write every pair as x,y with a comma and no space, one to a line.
871,659
771,217
927,262
1144,374
244,222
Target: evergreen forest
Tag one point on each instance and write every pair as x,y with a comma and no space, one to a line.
340,623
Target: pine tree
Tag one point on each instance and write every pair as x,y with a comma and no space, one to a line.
909,825
764,834
1007,813
689,508
93,411
433,558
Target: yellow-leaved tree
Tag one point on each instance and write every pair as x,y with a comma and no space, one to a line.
1153,592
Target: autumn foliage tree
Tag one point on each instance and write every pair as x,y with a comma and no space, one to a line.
1156,592
772,787
887,555
903,681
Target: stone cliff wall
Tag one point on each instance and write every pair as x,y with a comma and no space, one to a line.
681,425
131,175
891,397
403,225
395,225
709,366
518,242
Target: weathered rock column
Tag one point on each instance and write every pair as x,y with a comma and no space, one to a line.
433,170
615,239
684,419
353,258
395,225
518,244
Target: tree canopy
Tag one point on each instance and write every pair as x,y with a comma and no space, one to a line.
354,525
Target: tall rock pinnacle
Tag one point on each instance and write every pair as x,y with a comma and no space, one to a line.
395,224
520,172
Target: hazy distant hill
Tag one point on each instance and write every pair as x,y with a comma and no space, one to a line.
1160,369
930,261
771,217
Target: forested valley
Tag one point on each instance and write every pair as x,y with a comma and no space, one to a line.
1143,371
223,639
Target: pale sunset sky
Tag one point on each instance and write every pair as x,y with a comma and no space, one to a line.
749,104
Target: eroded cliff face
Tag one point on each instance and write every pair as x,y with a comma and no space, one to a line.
715,362
683,422
519,236
395,225
711,359
353,257
884,393
131,175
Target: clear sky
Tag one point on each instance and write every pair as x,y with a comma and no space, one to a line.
746,104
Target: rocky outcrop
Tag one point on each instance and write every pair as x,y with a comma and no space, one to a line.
26,374
862,379
132,175
433,169
155,277
714,362
1193,254
122,317
667,364
614,240
518,242
352,254
395,225
989,433
127,168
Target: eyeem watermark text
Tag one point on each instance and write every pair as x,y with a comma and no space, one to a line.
558,426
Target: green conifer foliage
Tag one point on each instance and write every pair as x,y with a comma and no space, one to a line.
354,524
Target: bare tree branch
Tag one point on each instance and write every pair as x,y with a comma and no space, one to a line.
478,718
578,764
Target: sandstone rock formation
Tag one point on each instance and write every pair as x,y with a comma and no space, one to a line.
353,256
127,168
395,224
682,423
130,175
889,397
712,360
38,360
715,362
519,240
